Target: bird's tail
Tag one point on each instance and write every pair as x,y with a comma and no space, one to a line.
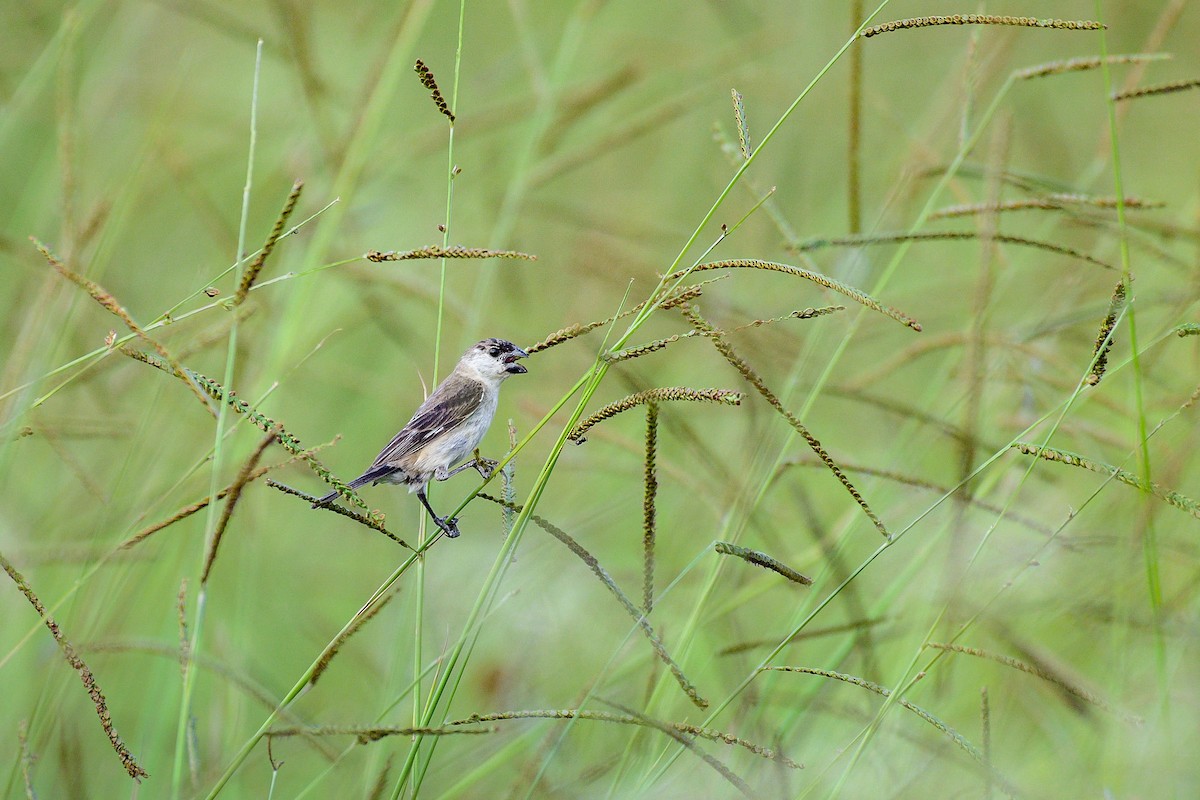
370,476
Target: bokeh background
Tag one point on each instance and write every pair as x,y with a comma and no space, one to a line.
595,135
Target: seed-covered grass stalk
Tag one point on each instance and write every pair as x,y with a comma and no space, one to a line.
602,574
439,251
250,274
1182,502
234,494
1055,201
1084,63
374,520
365,734
650,480
816,277
762,560
747,372
980,19
1104,339
677,298
685,728
661,395
1187,329
1162,88
687,741
1068,687
430,83
739,118
110,304
261,421
127,759
202,503
934,236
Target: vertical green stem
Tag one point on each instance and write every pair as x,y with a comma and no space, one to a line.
214,484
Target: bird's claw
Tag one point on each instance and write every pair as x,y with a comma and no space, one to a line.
449,526
486,466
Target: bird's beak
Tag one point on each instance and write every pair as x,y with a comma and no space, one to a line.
513,368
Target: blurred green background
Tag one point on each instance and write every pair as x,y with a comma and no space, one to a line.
585,135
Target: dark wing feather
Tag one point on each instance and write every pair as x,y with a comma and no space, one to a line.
447,408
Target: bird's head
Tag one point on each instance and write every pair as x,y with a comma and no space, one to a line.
494,359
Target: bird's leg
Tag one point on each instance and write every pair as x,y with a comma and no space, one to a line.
485,467
448,526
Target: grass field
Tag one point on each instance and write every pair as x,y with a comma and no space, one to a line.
881,327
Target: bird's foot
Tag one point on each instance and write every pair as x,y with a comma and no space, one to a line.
485,466
449,526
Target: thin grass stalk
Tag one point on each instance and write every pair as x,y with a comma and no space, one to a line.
210,525
854,129
933,236
444,252
950,733
1149,535
1075,691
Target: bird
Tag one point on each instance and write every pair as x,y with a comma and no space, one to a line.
447,428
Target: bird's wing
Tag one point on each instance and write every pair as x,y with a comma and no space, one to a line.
448,407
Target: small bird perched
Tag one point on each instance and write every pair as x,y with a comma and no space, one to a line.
447,427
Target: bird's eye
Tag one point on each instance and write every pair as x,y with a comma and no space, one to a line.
495,351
